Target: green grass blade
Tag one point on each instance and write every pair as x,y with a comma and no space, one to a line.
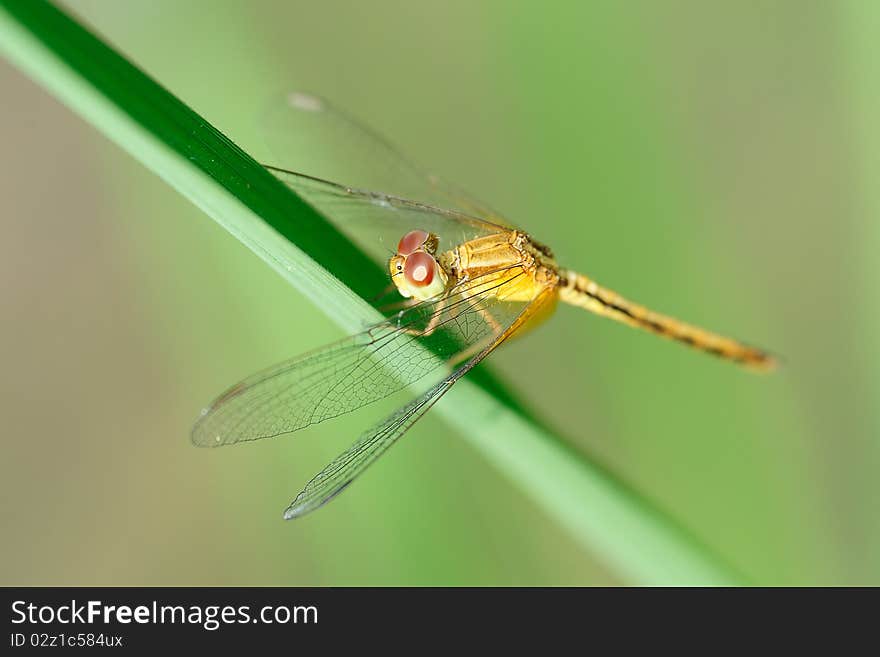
601,512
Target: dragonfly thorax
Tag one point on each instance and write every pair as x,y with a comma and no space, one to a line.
414,268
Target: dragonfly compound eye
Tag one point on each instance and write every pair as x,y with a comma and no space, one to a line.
413,241
420,269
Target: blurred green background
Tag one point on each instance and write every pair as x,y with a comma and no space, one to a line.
715,160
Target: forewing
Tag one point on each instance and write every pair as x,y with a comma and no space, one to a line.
337,476
363,368
376,221
308,134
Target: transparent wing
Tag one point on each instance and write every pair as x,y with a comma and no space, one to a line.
308,134
336,477
333,479
376,221
364,368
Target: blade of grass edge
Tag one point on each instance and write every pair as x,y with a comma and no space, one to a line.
601,512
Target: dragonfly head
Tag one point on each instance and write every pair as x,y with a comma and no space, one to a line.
414,269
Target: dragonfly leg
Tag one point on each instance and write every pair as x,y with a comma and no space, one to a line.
430,327
491,321
397,306
435,317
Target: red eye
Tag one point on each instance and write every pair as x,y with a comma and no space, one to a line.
419,269
412,242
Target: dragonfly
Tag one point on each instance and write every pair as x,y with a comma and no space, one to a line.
465,282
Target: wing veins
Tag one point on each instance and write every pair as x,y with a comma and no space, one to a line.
371,197
386,356
339,362
326,485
